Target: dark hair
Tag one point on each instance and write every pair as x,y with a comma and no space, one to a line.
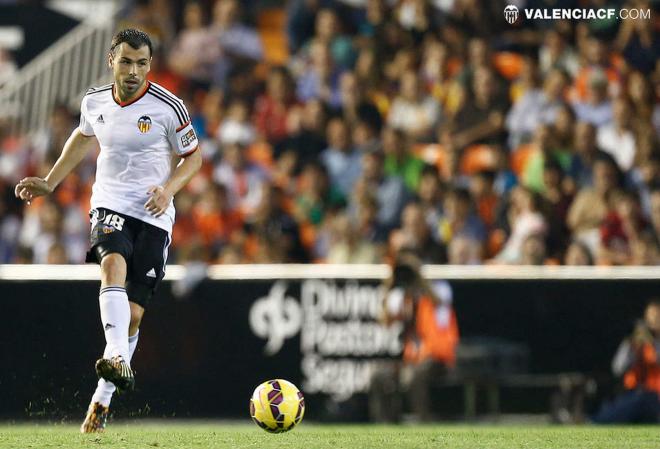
135,38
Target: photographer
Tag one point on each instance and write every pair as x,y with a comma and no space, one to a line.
637,361
430,335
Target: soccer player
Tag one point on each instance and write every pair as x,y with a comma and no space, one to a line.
148,153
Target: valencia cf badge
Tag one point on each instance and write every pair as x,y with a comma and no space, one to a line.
144,124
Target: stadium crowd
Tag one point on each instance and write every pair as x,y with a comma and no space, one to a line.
341,132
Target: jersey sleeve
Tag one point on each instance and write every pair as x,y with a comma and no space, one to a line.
85,124
182,136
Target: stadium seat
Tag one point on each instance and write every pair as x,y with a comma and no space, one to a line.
271,25
508,64
477,158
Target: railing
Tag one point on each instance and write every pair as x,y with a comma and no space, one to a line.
329,271
61,74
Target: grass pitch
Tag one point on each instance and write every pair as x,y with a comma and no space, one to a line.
179,435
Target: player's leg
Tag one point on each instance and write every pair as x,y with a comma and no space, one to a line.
99,407
113,302
111,246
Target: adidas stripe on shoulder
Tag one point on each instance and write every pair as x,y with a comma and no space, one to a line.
177,101
95,90
171,101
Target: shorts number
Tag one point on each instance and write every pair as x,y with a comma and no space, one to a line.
115,221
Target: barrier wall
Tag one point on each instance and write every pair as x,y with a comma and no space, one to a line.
203,349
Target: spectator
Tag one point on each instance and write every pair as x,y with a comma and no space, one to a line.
355,107
10,224
415,235
412,112
639,43
389,191
596,109
596,58
341,160
243,180
271,108
555,207
328,32
534,108
56,254
430,195
195,48
213,219
525,221
399,160
459,220
585,154
545,149
655,211
589,208
306,127
482,190
347,246
578,254
316,195
636,361
641,97
240,44
464,251
481,120
320,78
273,234
555,53
533,251
618,138
430,333
621,229
236,127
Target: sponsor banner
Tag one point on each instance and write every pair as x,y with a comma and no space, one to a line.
341,338
202,352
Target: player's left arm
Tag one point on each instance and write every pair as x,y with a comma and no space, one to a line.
161,196
185,144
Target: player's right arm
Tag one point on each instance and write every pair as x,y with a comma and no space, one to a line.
74,151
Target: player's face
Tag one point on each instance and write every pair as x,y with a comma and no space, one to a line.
130,68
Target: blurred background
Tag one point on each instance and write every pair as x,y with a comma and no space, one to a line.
348,132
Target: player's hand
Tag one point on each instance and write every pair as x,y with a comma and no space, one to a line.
29,188
159,202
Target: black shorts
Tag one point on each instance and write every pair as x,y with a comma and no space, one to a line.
143,246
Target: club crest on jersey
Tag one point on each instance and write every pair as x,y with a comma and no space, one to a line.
144,124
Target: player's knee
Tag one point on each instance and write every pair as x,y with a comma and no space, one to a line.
113,269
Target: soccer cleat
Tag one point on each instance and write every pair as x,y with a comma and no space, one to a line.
117,371
96,419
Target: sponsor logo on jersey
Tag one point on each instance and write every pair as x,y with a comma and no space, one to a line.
151,273
144,124
100,120
188,138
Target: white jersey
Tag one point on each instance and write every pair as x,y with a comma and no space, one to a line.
138,140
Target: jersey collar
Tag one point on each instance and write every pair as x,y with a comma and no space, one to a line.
129,102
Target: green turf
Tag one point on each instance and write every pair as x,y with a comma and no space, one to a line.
308,436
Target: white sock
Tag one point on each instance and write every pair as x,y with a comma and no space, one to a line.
105,389
115,318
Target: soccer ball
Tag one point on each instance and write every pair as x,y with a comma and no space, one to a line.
277,406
